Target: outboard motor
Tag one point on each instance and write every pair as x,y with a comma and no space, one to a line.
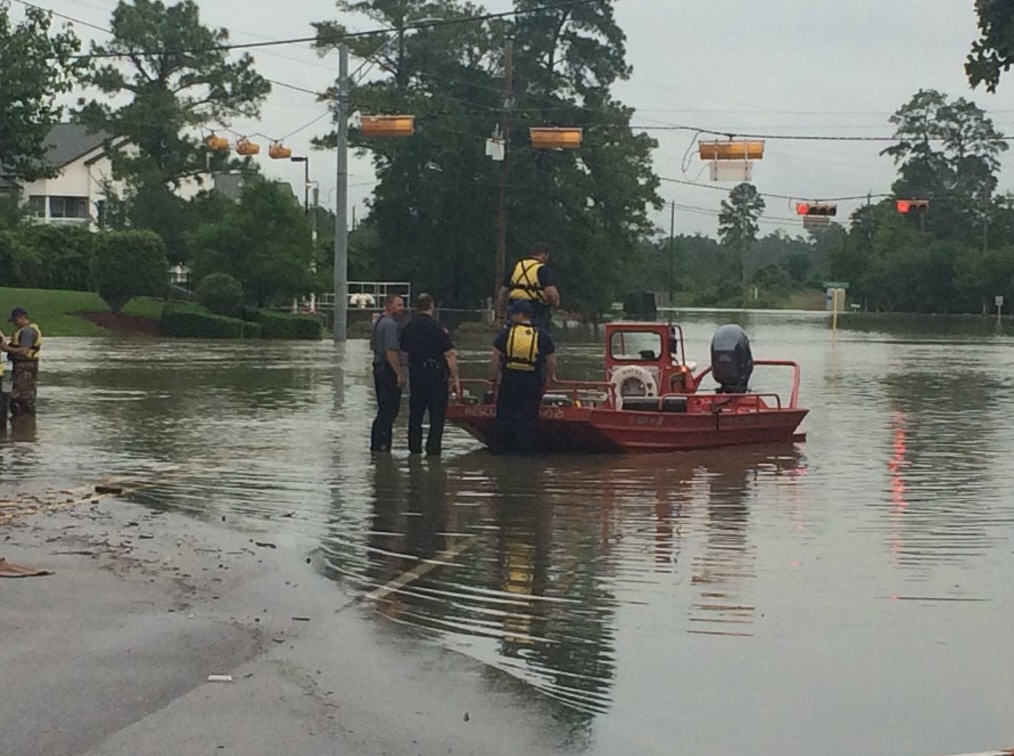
731,360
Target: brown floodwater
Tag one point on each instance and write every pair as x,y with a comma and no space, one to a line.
852,594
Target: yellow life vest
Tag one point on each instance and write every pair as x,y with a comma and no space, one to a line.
524,283
33,354
522,352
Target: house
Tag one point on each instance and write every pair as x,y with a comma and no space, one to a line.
76,193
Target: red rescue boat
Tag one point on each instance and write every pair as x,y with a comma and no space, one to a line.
649,402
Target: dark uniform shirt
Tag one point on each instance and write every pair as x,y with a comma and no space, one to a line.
426,341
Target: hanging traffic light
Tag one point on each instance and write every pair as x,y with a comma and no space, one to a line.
816,208
732,149
906,206
216,143
278,151
387,126
555,138
245,147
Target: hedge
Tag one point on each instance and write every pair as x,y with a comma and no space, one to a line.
128,264
276,325
185,320
47,257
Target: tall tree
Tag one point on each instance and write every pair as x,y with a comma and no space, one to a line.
38,65
949,151
178,81
737,222
993,53
435,206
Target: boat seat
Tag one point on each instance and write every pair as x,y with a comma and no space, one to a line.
655,404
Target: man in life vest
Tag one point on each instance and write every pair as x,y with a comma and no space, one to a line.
530,280
523,361
23,351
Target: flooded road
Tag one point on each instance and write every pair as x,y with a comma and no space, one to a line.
852,594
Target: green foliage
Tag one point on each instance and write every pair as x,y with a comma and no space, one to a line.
59,311
47,257
221,293
263,241
170,96
434,209
187,321
275,325
993,53
38,67
129,264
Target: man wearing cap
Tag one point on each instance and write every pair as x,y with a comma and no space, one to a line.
523,361
23,351
530,280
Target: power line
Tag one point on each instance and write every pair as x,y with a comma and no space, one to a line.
435,23
63,16
686,182
796,137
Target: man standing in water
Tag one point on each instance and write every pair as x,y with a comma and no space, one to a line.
388,376
523,361
432,361
23,350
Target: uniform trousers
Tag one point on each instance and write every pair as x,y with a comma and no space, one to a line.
517,412
385,381
429,394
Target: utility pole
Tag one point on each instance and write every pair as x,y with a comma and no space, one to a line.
505,125
672,250
341,240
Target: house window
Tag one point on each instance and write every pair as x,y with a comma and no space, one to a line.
68,207
37,205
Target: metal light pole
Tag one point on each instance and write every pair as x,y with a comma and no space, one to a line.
672,249
341,241
306,181
505,126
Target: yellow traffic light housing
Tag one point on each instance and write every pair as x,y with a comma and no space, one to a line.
216,143
555,137
387,126
245,147
732,149
279,151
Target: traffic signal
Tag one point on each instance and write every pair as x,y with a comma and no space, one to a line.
906,206
816,208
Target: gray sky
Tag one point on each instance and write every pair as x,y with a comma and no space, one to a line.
777,67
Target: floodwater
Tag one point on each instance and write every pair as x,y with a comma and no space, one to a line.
849,595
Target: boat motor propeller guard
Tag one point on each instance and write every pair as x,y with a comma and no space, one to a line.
731,360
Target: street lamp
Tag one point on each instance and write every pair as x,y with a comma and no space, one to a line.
306,181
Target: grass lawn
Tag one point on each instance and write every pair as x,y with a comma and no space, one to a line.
52,308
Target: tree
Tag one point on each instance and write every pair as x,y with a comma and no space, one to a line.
129,264
263,241
949,151
434,208
38,65
737,222
186,84
993,53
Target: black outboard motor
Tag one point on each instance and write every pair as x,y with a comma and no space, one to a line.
731,360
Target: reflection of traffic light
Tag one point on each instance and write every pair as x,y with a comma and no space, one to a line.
906,206
816,208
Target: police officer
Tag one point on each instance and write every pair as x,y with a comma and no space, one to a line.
23,350
531,280
388,376
431,362
523,361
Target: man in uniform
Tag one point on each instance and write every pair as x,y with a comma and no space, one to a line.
531,280
23,350
388,376
523,361
431,362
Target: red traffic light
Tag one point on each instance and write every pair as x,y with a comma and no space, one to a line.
816,208
908,205
802,208
904,206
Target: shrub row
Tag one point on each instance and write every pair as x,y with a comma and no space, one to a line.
190,321
47,257
277,325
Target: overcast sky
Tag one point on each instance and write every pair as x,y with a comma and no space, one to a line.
776,67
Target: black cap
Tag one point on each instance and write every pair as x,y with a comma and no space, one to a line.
520,307
18,312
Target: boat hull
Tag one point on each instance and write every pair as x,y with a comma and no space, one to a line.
606,430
